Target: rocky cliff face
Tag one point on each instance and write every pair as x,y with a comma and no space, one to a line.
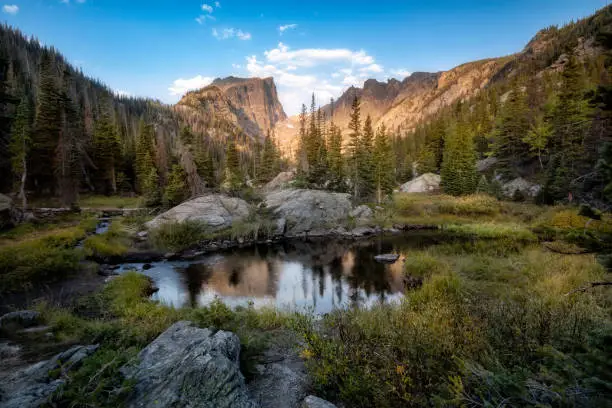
251,103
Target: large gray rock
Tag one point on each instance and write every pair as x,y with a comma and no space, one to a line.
9,215
189,367
306,210
281,181
215,211
425,183
282,380
528,188
32,386
362,213
23,318
315,402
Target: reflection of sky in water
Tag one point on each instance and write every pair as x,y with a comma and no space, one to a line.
296,277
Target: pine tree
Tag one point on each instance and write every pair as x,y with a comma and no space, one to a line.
335,159
20,144
365,161
355,145
107,151
47,126
538,136
270,165
145,154
570,123
176,190
458,170
384,164
302,156
151,188
513,126
233,176
186,136
204,162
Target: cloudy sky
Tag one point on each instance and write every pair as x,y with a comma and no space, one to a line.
162,48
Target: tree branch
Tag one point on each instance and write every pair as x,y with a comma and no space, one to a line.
591,285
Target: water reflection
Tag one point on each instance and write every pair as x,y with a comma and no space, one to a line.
314,275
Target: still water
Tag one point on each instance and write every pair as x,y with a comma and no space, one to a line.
298,275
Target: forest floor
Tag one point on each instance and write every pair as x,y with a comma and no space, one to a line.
505,315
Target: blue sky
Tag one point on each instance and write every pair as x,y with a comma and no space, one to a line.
161,48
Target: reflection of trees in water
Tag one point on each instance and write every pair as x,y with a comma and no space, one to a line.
195,276
255,272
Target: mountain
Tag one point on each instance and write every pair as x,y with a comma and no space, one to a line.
402,105
250,103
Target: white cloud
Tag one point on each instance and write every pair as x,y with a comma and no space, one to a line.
181,86
227,33
217,4
236,66
374,68
207,8
402,73
325,71
203,17
11,9
286,27
307,57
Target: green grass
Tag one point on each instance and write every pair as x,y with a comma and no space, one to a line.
40,258
90,201
115,242
110,202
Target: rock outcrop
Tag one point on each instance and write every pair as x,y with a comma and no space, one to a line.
250,103
32,386
300,211
189,367
215,211
362,213
281,181
525,187
426,183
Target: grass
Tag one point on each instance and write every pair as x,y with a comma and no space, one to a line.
427,209
114,242
90,201
36,255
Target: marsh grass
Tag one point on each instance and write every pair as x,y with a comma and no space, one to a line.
39,257
114,242
491,326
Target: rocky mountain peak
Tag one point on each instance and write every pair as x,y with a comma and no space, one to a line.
251,103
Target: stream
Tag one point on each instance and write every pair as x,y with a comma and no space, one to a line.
316,276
